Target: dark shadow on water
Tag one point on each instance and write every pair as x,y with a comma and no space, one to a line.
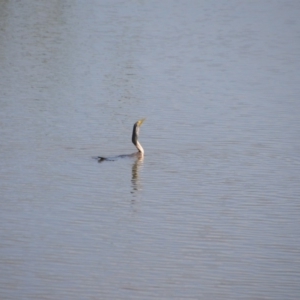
136,184
101,159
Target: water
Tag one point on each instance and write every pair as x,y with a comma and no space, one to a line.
211,212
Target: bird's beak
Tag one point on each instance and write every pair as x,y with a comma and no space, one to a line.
140,122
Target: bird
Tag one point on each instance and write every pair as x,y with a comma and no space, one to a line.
135,136
134,139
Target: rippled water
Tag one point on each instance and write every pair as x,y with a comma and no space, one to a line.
212,211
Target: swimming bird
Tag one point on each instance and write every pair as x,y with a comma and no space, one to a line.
134,139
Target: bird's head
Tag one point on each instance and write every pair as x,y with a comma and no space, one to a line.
140,122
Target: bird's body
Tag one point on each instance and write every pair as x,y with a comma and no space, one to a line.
135,135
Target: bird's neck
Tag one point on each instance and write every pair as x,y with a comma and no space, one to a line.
140,148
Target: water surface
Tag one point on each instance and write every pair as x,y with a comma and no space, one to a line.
211,212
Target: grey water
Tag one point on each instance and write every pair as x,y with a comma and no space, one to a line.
212,211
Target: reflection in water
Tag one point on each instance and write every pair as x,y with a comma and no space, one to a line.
136,183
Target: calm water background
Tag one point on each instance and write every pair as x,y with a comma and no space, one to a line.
212,212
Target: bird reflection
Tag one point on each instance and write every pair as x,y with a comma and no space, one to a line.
136,184
135,180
